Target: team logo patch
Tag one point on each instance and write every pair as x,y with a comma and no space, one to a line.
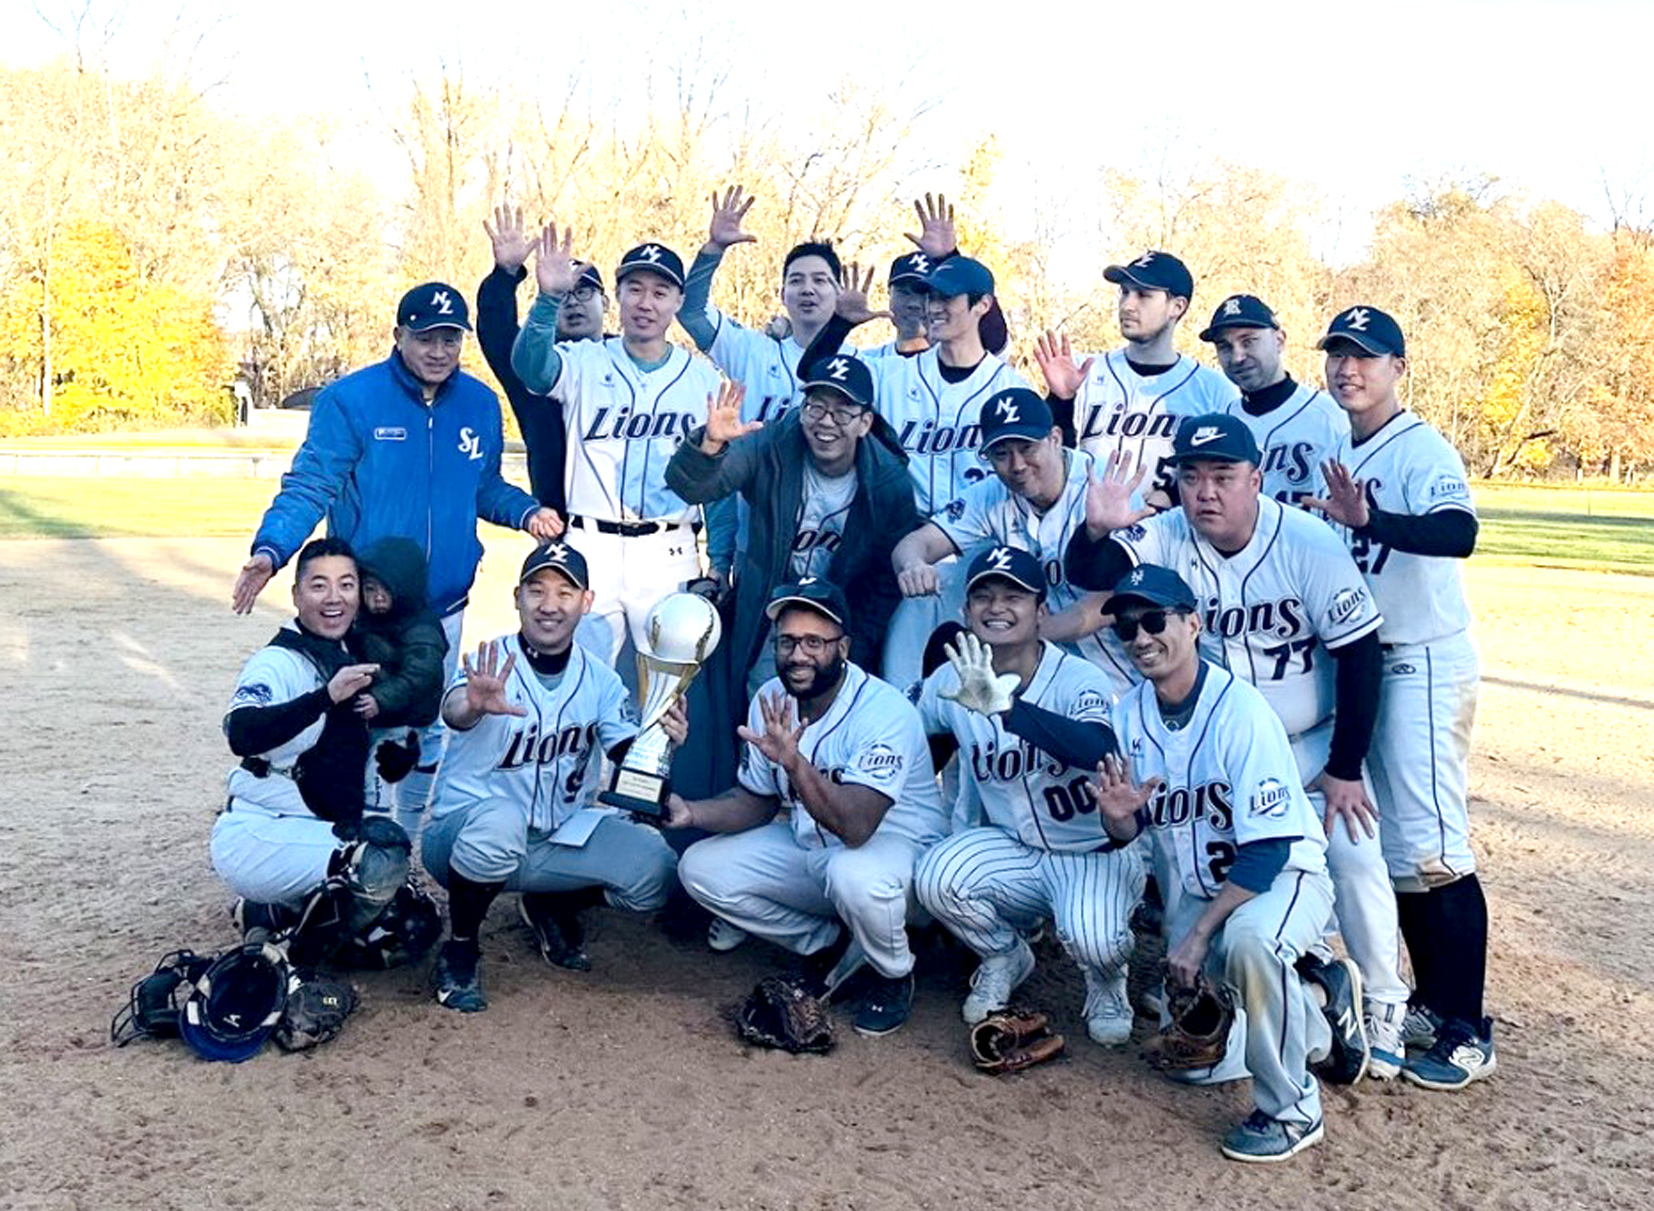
1403,670
390,433
1135,532
470,444
1345,603
257,694
1090,702
1270,799
880,761
955,510
1231,306
1357,318
914,691
1448,487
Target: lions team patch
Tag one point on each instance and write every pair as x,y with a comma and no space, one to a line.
1270,799
879,761
955,510
1345,604
257,694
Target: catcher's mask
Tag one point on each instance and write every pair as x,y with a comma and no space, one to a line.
157,1001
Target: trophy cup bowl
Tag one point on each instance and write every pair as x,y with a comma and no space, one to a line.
682,630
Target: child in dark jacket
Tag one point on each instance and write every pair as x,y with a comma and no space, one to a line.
396,630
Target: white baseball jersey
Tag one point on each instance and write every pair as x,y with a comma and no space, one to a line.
1410,468
821,513
1228,779
1119,409
870,736
989,511
1273,610
888,349
272,676
623,425
936,420
546,760
766,367
1295,438
1022,789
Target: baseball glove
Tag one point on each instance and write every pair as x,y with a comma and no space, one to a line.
780,1014
1012,1040
1198,1034
316,1011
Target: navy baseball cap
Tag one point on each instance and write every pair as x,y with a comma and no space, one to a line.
960,275
653,258
561,556
844,373
1152,585
912,271
813,593
1240,311
1015,412
590,277
1367,327
433,305
1008,563
1154,270
1217,437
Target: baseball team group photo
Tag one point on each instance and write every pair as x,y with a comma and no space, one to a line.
706,657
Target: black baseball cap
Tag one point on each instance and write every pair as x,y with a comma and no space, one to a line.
1154,270
1215,437
813,593
1368,327
912,270
1008,563
1152,585
1014,412
561,556
652,258
960,275
844,373
589,276
1240,311
433,305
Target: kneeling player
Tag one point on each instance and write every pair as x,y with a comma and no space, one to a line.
529,718
1030,721
1208,771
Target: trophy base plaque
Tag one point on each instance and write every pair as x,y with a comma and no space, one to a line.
640,793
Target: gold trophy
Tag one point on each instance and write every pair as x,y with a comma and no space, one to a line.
682,630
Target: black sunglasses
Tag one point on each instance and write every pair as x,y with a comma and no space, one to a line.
1152,621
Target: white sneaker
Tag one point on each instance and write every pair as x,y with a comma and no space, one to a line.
995,979
722,936
1386,1052
1108,1015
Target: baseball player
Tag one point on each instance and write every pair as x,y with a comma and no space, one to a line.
1132,400
294,808
1034,500
531,717
909,306
1030,723
407,448
627,403
845,754
1296,427
1285,608
1207,772
1397,488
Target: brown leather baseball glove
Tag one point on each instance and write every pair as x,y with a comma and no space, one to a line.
1013,1040
1198,1034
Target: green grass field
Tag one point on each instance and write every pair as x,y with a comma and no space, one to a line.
1550,527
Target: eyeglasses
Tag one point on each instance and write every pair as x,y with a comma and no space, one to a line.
813,645
584,294
1152,621
842,415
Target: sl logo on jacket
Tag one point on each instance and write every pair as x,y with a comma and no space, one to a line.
470,444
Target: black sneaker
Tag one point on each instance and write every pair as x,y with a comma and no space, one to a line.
1340,980
555,924
886,1006
458,978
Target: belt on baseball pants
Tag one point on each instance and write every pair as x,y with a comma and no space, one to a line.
631,529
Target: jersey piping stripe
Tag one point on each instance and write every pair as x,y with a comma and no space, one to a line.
1205,730
1257,565
649,446
815,748
1387,437
1435,792
1286,972
1287,420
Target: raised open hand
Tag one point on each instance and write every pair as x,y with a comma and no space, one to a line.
1346,498
555,271
1108,504
723,414
852,301
779,739
727,212
486,679
937,235
1055,356
511,238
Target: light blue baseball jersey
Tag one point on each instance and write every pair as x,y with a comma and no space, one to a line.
1119,409
766,367
1295,438
546,760
870,736
1228,778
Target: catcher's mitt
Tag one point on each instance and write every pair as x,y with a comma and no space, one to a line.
1012,1040
1198,1034
780,1014
316,1011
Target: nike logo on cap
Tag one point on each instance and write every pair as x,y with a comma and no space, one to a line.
1202,436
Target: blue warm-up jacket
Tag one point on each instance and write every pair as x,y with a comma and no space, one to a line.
380,462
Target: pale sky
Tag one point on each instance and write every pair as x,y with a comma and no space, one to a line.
1356,98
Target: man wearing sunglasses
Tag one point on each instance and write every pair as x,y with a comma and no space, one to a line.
1206,770
1285,607
1030,723
845,754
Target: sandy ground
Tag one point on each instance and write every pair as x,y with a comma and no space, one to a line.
624,1088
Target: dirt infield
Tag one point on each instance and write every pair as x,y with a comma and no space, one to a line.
624,1087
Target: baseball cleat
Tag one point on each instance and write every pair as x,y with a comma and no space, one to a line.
1108,1015
995,979
458,978
1340,981
888,1003
1263,1140
556,931
723,937
1460,1055
1385,1053
1419,1027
